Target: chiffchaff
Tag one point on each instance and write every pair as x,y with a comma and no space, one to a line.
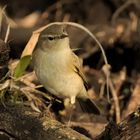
58,69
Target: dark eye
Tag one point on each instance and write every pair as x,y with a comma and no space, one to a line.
50,38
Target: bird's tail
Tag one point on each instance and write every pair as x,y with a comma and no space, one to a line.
88,105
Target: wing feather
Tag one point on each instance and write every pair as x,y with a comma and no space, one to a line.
78,69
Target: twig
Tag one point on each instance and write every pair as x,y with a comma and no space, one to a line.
116,101
58,12
1,16
4,85
102,90
134,24
119,10
53,6
7,33
66,18
0,19
24,79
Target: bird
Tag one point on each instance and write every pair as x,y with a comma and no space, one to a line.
59,69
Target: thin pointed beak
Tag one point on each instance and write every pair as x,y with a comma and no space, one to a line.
64,35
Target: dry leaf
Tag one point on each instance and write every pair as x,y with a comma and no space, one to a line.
30,45
33,41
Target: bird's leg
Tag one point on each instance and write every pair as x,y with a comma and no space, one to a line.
70,115
70,102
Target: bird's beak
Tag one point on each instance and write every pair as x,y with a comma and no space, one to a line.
64,35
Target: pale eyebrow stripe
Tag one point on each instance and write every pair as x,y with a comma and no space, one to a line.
55,36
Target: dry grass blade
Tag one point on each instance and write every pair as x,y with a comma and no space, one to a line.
0,19
30,45
119,10
4,17
1,16
7,33
116,101
4,85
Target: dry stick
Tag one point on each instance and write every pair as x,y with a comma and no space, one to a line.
53,6
25,81
66,18
2,13
4,85
58,12
0,20
7,33
33,90
29,93
102,90
1,16
28,87
116,101
31,97
119,10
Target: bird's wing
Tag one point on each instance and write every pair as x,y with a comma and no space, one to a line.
87,104
78,69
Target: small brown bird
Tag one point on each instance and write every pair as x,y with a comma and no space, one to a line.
58,69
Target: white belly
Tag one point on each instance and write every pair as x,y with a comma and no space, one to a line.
56,75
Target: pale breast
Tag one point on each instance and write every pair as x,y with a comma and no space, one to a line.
54,73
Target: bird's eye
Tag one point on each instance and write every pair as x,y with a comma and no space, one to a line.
50,38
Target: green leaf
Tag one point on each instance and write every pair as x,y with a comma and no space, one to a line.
22,65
